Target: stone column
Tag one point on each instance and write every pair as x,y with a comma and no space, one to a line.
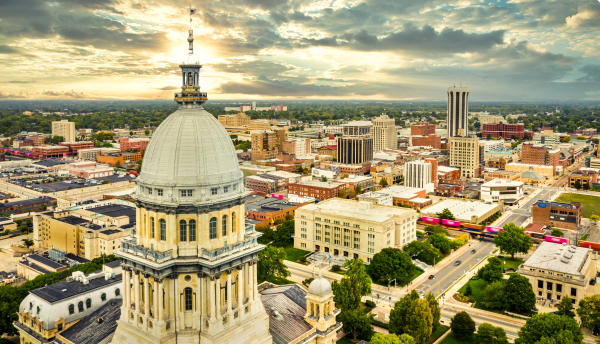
136,290
240,285
254,280
155,300
218,296
126,289
249,283
199,295
160,301
212,299
321,310
229,294
146,295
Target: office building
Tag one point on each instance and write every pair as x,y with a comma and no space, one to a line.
118,158
353,229
557,214
384,133
65,129
556,271
458,111
464,153
488,119
267,143
504,130
431,140
133,144
92,153
398,195
422,129
358,128
502,189
299,147
75,147
354,150
237,120
269,210
319,190
50,151
464,210
421,174
539,154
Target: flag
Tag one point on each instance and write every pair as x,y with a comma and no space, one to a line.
192,11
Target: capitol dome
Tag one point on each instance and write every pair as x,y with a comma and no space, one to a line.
190,159
319,287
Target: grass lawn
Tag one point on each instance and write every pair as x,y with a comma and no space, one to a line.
437,334
511,263
293,254
591,204
452,339
477,287
345,340
584,237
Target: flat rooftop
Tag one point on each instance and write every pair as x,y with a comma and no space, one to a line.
461,209
357,210
549,204
325,185
63,290
115,210
27,202
502,182
559,258
400,191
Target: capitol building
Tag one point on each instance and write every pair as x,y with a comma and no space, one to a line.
190,273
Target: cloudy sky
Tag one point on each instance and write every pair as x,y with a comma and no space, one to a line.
520,50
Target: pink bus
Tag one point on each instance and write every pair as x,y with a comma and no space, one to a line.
451,223
430,219
274,195
557,240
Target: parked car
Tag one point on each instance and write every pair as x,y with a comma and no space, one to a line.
431,276
457,263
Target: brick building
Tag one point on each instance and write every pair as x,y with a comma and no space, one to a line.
539,154
36,140
556,214
266,143
50,151
584,177
129,144
74,147
422,129
504,130
431,140
319,190
121,157
268,210
499,163
26,206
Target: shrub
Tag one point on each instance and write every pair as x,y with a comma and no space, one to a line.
370,303
336,268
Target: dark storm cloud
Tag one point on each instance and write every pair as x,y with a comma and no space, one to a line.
522,52
251,68
67,94
5,49
592,73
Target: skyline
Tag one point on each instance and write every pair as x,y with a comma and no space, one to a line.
518,50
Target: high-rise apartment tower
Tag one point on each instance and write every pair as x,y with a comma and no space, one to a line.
458,110
384,133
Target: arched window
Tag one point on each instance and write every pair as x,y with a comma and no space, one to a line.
103,297
152,227
188,299
192,230
213,228
233,223
163,230
190,79
30,306
71,309
80,306
38,310
88,303
182,231
117,292
224,225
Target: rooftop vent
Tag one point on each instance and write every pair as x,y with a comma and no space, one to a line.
564,260
64,290
568,255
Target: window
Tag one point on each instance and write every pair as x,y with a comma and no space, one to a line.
71,309
30,306
59,327
149,191
224,225
559,288
80,306
88,303
213,228
152,227
103,297
303,245
549,285
186,193
117,292
234,186
159,192
188,299
574,292
213,191
192,230
233,223
540,284
225,189
182,231
163,229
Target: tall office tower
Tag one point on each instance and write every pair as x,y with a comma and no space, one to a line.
65,129
464,153
267,143
458,110
356,146
384,133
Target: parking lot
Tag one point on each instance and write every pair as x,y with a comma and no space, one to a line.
50,185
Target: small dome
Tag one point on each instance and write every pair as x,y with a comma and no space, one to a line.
319,287
331,137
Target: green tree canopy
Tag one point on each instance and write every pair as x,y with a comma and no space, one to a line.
389,264
346,293
492,271
357,267
383,182
462,325
441,242
556,232
446,214
434,308
565,307
423,251
548,325
380,338
490,334
357,323
589,311
519,294
270,264
494,295
512,239
412,315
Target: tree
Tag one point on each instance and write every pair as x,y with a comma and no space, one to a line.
468,290
589,311
27,242
380,338
357,190
356,267
462,325
18,222
423,252
565,307
436,312
323,178
494,295
342,194
594,218
146,132
512,239
389,264
270,264
586,186
492,271
9,306
489,137
577,184
346,293
383,182
519,294
446,214
490,334
284,232
412,315
356,322
548,325
440,242
556,232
